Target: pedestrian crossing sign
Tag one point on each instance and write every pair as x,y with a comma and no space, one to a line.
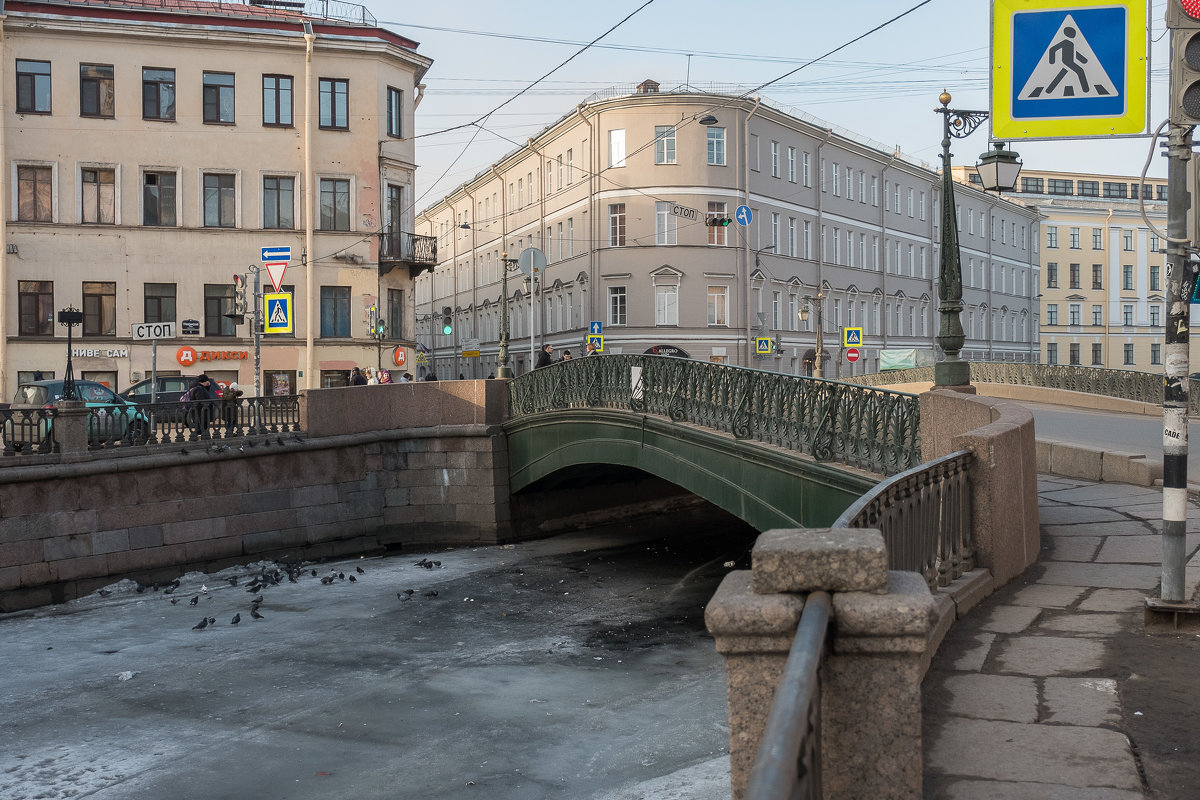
596,340
277,312
1069,68
762,346
852,337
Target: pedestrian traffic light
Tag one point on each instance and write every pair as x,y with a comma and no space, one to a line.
447,321
719,222
1183,18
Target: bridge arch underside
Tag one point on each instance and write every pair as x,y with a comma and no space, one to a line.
765,486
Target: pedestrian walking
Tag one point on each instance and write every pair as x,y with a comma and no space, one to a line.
566,355
357,378
198,405
543,359
372,377
230,406
591,349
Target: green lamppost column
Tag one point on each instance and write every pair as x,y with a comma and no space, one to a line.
998,171
502,369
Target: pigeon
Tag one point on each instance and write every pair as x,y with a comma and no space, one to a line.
254,614
169,590
437,563
233,580
104,592
194,600
140,589
201,625
236,619
431,593
174,600
401,596
421,563
342,575
203,589
361,571
328,579
353,579
258,600
314,573
212,620
409,592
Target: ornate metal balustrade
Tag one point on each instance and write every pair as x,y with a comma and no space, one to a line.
925,517
28,431
173,423
872,429
410,247
1145,387
788,763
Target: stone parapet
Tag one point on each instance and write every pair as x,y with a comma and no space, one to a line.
871,672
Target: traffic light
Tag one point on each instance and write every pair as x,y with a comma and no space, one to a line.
1183,19
719,222
447,320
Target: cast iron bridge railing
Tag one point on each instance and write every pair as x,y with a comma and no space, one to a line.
1145,387
872,429
925,517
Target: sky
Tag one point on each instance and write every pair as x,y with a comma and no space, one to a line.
884,86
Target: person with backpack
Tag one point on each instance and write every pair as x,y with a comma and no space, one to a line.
198,404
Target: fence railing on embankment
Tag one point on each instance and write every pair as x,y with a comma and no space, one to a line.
35,431
872,429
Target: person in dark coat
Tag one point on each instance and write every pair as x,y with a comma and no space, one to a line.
201,399
543,359
230,405
357,378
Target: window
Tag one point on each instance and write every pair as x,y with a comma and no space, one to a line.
791,156
395,314
1127,315
775,231
1074,268
218,98
1052,314
1155,283
1154,245
616,305
1155,316
716,233
279,196
34,194
1060,186
776,310
716,146
158,198
1127,278
95,90
1097,276
774,159
395,111
664,144
791,250
33,87
99,308
718,305
875,191
1097,354
616,224
666,305
218,301
1075,311
334,104
1127,241
335,312
1051,236
666,224
806,165
837,180
277,100
616,152
1160,192
1155,353
1051,275
99,195
220,200
807,239
1112,189
1089,188
1128,355
1074,238
1097,315
158,302
158,93
1051,353
1032,185
911,209
335,204
35,304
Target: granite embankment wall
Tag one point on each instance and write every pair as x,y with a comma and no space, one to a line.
376,467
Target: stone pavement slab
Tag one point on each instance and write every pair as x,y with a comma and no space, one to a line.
1010,619
1047,596
1073,515
1048,655
1074,548
1009,790
1124,527
1087,624
1139,549
1107,576
972,658
1090,702
1114,600
1005,697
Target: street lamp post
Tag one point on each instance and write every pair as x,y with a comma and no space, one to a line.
69,317
998,170
502,368
818,304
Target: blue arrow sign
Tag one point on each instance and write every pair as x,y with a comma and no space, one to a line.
595,328
743,215
277,254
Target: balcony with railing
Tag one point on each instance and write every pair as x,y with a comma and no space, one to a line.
417,251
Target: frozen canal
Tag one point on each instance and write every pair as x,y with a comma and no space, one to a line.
574,667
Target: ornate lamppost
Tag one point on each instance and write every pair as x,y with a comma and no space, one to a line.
69,317
502,368
818,304
998,170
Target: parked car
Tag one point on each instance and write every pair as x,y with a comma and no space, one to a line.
170,389
111,417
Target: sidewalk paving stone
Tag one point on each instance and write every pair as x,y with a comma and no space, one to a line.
1008,790
1125,527
1114,600
1107,576
1089,702
1010,619
1139,549
1074,548
1087,624
1048,655
1006,697
1074,515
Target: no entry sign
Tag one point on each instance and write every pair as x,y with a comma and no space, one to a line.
852,354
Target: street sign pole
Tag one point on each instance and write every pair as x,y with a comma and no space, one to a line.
154,370
258,323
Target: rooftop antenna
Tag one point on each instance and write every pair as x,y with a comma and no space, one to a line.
687,82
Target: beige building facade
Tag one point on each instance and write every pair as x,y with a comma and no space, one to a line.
620,193
153,148
1103,267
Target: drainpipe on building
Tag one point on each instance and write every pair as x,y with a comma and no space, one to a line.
883,281
819,352
1111,284
593,211
312,379
744,265
3,227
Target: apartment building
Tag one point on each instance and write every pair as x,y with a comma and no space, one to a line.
1103,267
621,193
154,147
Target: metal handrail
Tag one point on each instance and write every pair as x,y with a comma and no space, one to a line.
868,428
788,763
925,517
